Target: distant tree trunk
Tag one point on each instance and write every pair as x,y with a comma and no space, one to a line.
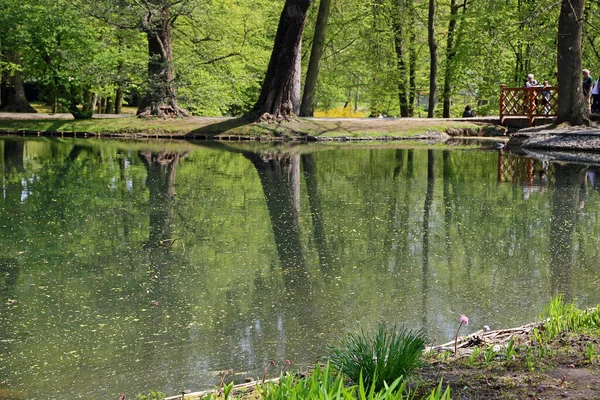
119,100
110,105
412,60
571,103
161,98
450,53
13,92
401,57
275,100
307,108
433,58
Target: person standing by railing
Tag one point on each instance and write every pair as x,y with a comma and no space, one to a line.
587,84
531,82
546,97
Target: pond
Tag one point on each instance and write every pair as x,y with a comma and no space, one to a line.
127,267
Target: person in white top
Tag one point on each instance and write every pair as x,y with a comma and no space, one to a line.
531,82
596,97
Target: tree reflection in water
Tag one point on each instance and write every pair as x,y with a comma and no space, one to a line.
562,227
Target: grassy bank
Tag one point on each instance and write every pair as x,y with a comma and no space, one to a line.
213,127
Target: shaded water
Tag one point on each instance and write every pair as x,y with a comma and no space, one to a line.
129,267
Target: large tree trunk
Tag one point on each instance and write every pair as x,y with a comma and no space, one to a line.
401,57
307,108
13,92
433,58
571,104
275,100
161,98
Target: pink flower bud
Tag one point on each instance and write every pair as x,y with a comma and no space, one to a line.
464,320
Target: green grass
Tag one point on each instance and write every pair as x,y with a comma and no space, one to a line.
380,358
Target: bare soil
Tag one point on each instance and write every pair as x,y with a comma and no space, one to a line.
563,372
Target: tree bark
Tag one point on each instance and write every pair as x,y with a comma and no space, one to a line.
13,92
433,58
296,96
275,100
571,104
161,98
450,53
401,57
412,62
119,100
307,108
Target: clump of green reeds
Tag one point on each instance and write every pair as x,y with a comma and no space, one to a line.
379,359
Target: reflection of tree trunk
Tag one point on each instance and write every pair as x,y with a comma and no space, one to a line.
448,173
276,175
13,158
9,274
562,227
410,164
398,218
426,216
162,169
314,200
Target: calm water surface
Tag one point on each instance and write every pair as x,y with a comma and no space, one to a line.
129,267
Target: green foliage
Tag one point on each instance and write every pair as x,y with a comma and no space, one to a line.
559,317
590,352
510,350
379,359
437,394
151,396
328,384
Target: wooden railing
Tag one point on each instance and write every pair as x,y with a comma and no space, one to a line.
528,102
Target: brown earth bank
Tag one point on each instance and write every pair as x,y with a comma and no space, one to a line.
565,371
223,128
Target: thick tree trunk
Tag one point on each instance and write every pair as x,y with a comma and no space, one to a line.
275,100
450,53
401,57
161,98
307,108
433,58
13,92
571,103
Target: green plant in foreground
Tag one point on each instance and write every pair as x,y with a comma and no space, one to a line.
562,317
436,393
590,352
489,354
376,360
328,384
510,349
